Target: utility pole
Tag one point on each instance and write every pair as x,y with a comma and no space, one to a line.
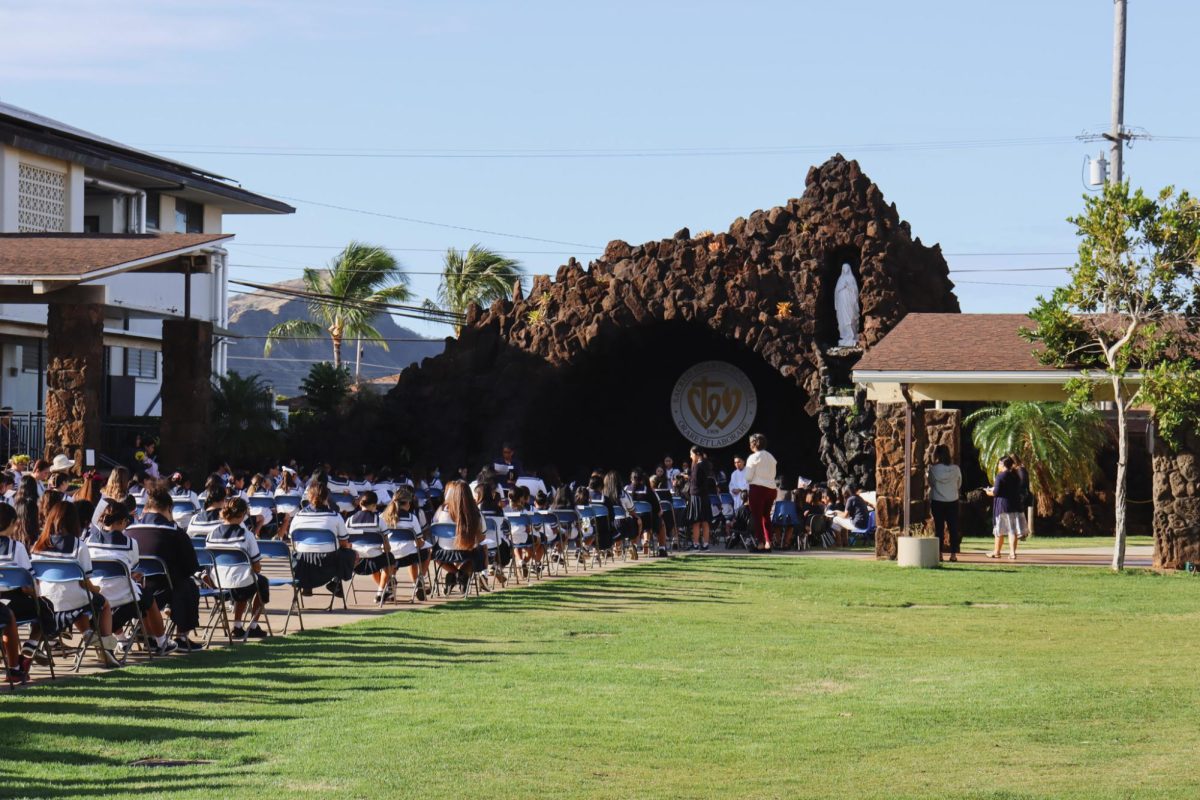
1116,134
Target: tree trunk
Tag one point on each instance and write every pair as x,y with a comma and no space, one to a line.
337,351
1118,559
357,360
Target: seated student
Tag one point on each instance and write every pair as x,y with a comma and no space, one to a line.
115,491
60,482
245,582
79,604
490,504
22,604
289,487
211,503
458,561
181,489
157,535
322,564
7,487
86,498
401,516
624,529
374,560
855,516
11,640
518,503
260,486
666,509
651,525
108,541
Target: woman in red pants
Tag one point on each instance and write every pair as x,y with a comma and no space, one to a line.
760,475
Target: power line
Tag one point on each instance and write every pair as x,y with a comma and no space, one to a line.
438,273
416,339
405,249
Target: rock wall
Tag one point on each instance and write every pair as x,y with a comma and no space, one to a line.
889,474
766,283
1177,504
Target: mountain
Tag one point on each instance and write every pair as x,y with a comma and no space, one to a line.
251,315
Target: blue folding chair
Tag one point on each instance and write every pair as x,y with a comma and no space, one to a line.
443,534
864,535
182,511
363,540
155,567
554,537
261,506
230,558
320,537
287,503
276,552
784,515
589,531
344,501
54,570
17,579
112,569
214,595
682,534
405,542
521,534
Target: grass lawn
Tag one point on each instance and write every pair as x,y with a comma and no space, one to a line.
1059,542
694,677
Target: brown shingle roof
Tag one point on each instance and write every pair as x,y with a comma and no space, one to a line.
954,343
66,256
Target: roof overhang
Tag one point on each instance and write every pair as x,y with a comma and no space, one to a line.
977,386
30,282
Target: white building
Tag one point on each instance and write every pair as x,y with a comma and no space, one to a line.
57,179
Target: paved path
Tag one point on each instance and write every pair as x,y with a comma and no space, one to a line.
315,617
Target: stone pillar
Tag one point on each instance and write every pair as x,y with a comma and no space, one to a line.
74,378
889,474
187,396
1177,504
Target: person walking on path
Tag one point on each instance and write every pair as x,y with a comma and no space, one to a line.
945,485
1006,508
760,476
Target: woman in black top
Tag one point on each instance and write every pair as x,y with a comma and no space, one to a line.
699,513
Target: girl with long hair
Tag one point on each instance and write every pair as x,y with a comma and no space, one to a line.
80,604
461,510
116,490
29,521
406,527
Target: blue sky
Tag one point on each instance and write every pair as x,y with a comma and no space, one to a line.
962,112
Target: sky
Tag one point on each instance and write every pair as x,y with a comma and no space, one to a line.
551,128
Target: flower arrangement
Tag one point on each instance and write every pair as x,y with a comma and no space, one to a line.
21,462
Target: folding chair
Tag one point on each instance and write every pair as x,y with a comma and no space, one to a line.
228,558
259,507
644,511
155,567
602,523
495,532
287,503
727,511
864,535
105,568
520,532
554,540
365,540
321,537
783,516
443,535
681,534
568,534
53,570
621,531
273,552
13,578
588,531
214,595
344,501
199,540
182,511
404,543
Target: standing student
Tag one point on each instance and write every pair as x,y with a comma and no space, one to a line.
945,485
739,488
108,541
244,582
1008,516
699,512
760,496
79,604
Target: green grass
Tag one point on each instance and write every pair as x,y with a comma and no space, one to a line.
697,677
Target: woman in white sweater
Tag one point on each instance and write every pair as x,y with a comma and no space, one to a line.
760,475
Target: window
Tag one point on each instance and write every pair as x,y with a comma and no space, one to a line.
141,363
153,207
91,223
33,353
189,216
41,199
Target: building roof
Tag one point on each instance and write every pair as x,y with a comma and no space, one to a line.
28,130
77,257
955,343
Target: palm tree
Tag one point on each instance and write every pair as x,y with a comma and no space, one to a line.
344,299
479,276
1057,442
245,418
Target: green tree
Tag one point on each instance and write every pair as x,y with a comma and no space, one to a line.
478,276
1120,317
325,388
245,420
1057,442
345,299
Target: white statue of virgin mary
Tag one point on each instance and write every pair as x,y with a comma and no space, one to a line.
845,303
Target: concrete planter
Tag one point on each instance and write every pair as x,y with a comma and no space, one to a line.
917,551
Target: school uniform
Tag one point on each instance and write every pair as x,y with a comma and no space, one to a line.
124,596
71,600
408,545
160,537
644,494
372,558
181,493
14,554
266,513
240,580
204,522
318,564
